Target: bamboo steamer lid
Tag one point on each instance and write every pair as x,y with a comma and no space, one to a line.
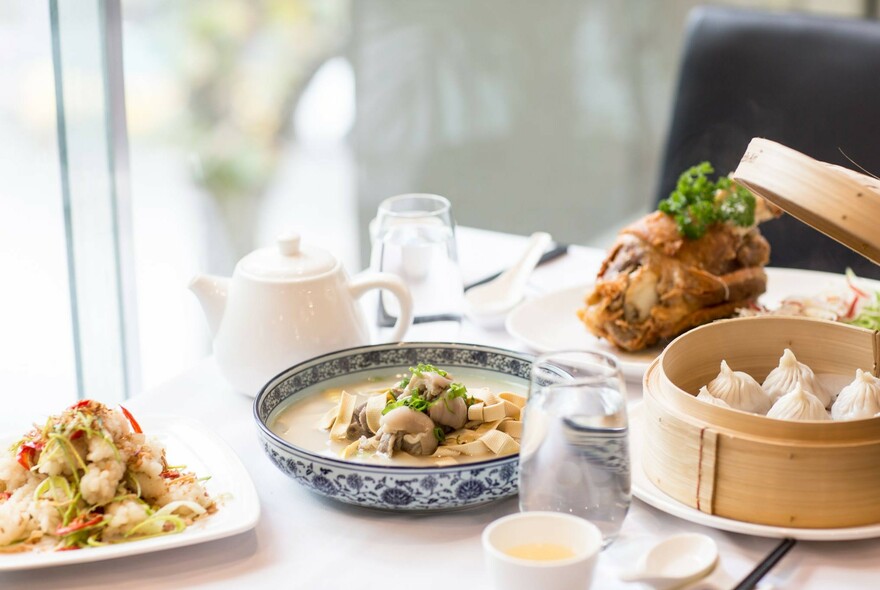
840,203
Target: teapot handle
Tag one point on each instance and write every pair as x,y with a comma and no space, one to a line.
364,282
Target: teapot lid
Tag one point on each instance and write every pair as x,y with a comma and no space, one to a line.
287,259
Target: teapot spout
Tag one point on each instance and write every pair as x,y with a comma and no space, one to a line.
211,292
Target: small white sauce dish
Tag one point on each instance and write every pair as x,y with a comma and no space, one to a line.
581,538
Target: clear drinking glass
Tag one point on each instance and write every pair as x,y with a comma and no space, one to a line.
574,456
414,238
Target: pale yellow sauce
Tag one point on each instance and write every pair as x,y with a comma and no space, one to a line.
540,552
296,421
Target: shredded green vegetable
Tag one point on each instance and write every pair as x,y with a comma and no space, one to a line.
869,314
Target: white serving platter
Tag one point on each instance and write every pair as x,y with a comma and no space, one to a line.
203,452
549,322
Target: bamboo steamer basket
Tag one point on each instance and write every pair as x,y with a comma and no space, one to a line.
749,467
753,468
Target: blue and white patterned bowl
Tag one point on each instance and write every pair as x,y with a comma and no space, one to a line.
387,486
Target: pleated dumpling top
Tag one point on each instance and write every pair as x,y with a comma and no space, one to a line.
798,404
739,390
789,373
705,396
859,399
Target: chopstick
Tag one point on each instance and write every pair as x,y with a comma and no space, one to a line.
552,254
765,566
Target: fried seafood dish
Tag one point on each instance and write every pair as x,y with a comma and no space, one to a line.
697,259
90,477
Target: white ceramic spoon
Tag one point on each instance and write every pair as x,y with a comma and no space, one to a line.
675,561
488,304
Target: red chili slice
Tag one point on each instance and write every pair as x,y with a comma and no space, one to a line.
170,474
24,456
5,496
858,291
26,452
80,404
68,548
851,311
79,523
134,425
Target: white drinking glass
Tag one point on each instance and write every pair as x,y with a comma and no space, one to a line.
574,456
414,237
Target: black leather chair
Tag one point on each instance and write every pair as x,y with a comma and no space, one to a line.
812,83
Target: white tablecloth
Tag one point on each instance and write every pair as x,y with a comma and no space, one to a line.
305,541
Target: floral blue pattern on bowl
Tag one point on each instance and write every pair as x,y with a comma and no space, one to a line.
390,487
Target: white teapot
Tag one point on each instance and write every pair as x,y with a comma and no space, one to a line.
285,304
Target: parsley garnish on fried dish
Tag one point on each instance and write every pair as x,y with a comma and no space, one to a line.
697,202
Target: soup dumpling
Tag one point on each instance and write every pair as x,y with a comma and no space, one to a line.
739,390
798,404
789,373
859,399
705,396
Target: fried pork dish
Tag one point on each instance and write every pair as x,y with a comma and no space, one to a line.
700,258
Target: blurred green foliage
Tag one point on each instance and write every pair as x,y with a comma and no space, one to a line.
245,64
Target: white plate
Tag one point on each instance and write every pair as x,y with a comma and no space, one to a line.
549,322
187,443
645,490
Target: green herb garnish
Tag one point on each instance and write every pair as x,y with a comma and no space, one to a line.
453,391
439,434
697,202
414,402
457,390
425,368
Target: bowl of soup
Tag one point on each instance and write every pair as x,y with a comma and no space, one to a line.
404,426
